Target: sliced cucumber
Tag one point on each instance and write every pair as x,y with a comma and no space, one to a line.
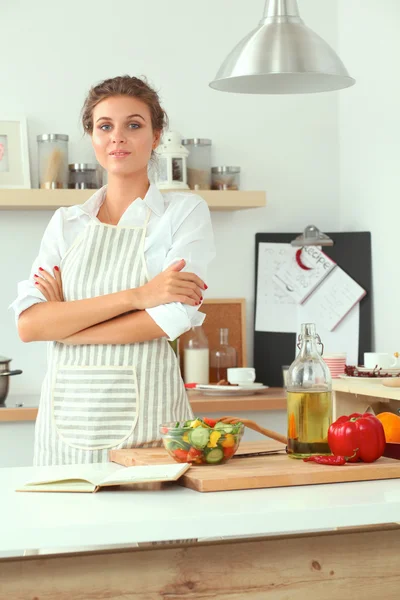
215,456
220,426
177,445
199,437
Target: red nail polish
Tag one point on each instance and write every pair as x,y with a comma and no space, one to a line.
36,275
40,269
201,299
36,282
205,287
56,268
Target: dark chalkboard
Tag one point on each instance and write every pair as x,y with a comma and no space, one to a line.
352,252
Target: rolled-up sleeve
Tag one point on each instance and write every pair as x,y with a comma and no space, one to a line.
49,256
192,241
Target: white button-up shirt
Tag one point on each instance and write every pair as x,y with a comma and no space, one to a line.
179,227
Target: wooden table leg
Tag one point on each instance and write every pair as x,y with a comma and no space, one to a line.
345,564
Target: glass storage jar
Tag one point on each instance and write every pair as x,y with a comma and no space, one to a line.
198,163
196,359
222,358
85,176
53,160
225,178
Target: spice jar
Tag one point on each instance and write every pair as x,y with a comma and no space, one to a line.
225,178
85,176
53,160
198,163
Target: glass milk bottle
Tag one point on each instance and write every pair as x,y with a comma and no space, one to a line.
309,398
222,358
196,357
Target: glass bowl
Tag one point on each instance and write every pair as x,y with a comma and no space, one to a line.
195,442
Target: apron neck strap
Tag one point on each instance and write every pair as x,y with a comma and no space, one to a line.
147,218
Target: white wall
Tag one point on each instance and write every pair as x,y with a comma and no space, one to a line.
369,148
287,146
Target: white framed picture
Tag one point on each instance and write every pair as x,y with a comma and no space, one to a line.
14,154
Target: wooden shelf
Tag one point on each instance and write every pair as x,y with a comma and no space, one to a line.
364,386
18,414
35,199
272,399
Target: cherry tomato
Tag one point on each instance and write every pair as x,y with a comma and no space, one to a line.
181,455
229,451
210,422
194,454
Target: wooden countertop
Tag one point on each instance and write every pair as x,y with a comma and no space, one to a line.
271,399
364,386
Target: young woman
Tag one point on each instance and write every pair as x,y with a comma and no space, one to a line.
115,279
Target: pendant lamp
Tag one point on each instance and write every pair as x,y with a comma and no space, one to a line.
282,56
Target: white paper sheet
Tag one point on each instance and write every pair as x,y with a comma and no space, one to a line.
298,282
343,339
334,298
276,311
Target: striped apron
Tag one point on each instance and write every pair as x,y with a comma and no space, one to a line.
102,396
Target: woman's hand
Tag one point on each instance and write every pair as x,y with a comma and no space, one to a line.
170,286
50,285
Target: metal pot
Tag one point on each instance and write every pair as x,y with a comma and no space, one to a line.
4,377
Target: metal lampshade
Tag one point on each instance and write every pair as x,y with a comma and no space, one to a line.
282,56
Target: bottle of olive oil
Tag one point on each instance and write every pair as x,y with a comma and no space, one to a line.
309,398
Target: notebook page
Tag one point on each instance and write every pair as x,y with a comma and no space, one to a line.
168,472
93,473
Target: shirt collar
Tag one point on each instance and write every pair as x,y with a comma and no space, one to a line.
153,199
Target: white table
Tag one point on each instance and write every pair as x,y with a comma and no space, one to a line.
289,521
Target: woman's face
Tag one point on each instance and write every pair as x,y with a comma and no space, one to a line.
123,137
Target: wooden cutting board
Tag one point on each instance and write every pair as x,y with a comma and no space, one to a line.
273,470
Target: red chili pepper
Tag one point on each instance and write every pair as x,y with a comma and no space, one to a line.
362,431
329,459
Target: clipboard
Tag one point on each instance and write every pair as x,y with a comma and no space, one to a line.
352,252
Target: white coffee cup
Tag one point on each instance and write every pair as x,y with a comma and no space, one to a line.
241,375
381,360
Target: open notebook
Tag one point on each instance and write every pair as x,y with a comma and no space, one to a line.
91,478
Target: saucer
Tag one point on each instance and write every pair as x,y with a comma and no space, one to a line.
230,390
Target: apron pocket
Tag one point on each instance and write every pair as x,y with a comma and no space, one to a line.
95,407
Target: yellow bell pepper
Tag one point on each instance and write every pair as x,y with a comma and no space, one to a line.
214,437
229,441
196,423
185,438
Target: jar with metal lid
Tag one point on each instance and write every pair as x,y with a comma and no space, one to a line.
85,176
198,163
225,178
53,160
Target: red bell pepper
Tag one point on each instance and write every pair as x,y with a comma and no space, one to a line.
361,435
